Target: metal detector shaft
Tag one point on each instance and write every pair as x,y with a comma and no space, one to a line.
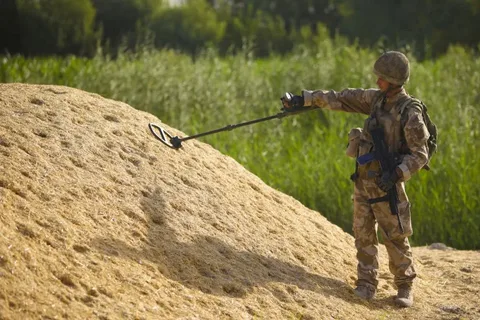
176,142
232,126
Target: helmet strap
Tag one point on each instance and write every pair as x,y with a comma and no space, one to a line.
392,89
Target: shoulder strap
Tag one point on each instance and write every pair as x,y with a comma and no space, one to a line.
409,102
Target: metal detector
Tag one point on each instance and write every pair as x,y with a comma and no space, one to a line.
176,142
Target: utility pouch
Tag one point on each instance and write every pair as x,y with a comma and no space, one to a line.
353,142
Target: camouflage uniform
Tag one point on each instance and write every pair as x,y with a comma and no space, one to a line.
366,215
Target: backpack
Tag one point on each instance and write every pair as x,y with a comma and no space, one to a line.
412,102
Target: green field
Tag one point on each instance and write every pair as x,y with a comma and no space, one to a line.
302,155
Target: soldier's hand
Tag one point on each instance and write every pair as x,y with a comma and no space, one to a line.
388,180
292,102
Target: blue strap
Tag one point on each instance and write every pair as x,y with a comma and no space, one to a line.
366,158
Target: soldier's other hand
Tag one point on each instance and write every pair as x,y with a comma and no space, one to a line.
388,180
292,102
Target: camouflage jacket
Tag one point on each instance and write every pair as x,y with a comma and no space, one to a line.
367,101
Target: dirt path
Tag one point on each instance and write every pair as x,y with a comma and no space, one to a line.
101,221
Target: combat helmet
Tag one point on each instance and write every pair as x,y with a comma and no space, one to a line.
392,66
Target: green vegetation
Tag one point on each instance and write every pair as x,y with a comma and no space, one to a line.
303,155
425,28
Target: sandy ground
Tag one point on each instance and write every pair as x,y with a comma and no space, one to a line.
99,220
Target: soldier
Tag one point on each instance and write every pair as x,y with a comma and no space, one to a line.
406,138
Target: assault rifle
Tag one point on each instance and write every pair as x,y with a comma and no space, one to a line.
388,162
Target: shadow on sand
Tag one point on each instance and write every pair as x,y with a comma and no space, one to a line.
211,266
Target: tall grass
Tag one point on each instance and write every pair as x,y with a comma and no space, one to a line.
302,155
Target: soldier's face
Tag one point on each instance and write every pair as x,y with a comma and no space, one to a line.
382,84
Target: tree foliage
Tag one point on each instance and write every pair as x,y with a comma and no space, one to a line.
10,37
425,27
56,26
124,22
185,29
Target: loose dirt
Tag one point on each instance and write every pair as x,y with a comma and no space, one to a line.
101,221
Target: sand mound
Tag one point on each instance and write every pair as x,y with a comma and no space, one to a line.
101,221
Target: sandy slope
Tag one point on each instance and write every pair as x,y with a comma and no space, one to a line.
101,221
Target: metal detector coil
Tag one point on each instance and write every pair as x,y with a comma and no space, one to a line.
165,137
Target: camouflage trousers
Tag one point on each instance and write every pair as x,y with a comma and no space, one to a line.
366,219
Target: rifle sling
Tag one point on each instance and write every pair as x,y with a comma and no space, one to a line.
380,199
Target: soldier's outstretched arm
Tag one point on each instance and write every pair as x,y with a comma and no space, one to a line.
348,100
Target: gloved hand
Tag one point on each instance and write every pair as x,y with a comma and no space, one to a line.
388,180
292,102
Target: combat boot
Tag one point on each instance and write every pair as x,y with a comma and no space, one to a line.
365,292
404,297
